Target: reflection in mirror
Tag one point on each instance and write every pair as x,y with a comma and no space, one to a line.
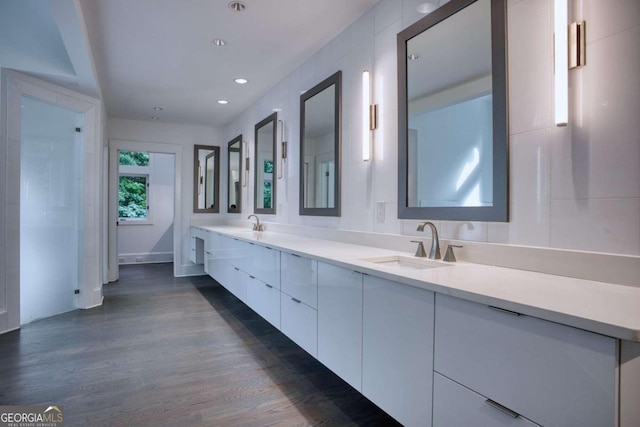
234,188
206,183
265,166
320,148
452,125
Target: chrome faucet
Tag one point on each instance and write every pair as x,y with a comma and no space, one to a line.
257,226
434,252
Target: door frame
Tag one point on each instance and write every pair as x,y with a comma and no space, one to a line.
116,145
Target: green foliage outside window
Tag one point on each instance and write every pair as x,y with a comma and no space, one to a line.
132,197
134,158
266,195
268,166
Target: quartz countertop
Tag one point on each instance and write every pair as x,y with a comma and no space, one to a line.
604,308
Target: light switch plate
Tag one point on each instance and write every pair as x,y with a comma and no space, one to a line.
379,212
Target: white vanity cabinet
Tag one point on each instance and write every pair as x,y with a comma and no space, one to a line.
340,322
397,351
264,263
552,374
299,300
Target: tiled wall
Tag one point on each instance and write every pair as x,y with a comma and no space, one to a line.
576,187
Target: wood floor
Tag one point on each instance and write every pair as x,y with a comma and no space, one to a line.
165,351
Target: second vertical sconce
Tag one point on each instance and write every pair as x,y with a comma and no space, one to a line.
369,116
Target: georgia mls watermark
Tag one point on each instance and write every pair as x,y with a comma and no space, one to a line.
31,416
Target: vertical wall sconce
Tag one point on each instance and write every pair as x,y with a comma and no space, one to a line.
283,148
247,163
569,52
369,116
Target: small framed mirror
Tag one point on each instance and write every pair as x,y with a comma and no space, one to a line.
265,166
234,174
320,145
206,183
452,114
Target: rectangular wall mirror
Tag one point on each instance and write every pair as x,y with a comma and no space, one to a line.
452,123
234,174
320,145
265,170
206,183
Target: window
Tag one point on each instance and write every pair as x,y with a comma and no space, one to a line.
133,188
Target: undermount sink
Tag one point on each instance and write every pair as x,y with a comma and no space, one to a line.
405,262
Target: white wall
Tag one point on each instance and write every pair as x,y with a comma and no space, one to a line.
187,137
152,242
576,187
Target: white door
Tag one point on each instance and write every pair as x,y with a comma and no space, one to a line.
51,209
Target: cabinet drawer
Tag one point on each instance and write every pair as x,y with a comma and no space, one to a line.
264,264
552,374
299,278
455,406
264,299
299,322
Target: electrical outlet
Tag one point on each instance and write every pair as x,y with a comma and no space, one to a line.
379,212
121,260
138,259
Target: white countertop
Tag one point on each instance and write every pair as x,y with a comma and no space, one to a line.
608,309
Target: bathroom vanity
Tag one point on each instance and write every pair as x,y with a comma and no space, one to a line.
437,343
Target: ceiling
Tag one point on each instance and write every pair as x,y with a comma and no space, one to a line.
143,54
158,53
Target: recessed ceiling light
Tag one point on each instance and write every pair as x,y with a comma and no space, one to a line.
218,42
241,81
413,56
222,101
426,7
276,110
237,6
157,108
155,118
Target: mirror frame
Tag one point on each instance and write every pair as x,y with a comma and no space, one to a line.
499,211
272,118
216,176
238,208
334,79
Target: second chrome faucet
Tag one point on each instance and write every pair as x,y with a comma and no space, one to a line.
434,252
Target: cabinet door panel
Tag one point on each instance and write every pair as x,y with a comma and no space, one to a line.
264,264
264,299
340,322
299,322
299,278
456,406
397,354
552,374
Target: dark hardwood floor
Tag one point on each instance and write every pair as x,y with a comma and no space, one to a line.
165,351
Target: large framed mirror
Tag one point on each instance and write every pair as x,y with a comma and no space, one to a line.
206,180
265,166
452,114
234,175
320,145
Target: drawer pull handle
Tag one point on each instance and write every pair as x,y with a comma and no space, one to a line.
236,268
502,310
297,256
501,408
251,243
296,300
252,276
268,286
